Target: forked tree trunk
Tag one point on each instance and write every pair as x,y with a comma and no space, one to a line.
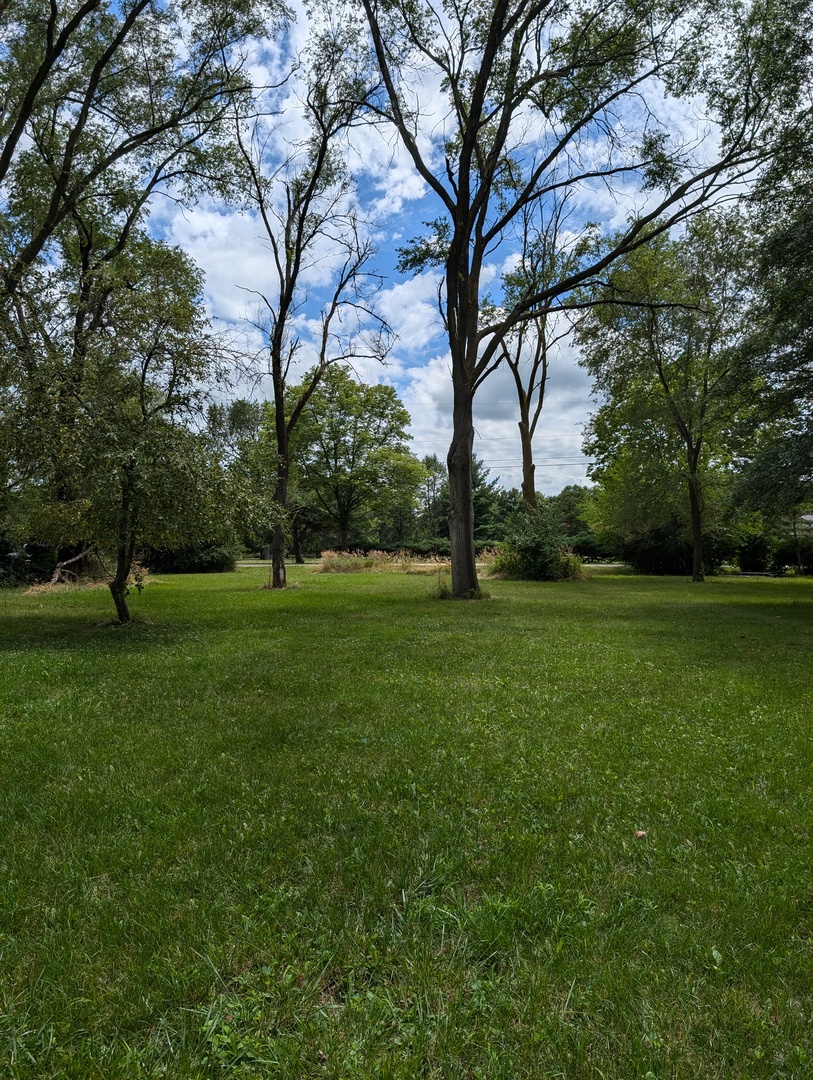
118,590
461,498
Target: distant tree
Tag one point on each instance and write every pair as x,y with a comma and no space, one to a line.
659,343
240,435
529,345
432,520
492,505
351,451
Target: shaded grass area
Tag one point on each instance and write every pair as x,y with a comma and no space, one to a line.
348,831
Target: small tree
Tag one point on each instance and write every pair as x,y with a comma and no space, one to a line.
111,418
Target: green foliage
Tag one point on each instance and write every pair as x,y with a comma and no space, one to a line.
675,394
426,251
535,550
199,558
350,447
105,103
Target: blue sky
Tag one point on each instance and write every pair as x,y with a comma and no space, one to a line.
228,246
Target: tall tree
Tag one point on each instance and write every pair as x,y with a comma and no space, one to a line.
528,346
777,473
537,93
660,344
308,210
111,102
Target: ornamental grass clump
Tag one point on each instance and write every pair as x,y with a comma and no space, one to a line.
534,550
349,562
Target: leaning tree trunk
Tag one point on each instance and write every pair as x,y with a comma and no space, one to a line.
125,548
695,507
461,497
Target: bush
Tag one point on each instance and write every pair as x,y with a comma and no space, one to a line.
534,550
789,552
198,559
755,554
667,551
26,565
349,562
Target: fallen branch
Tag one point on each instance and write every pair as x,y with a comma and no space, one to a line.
59,569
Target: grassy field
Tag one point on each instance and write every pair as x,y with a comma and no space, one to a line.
350,831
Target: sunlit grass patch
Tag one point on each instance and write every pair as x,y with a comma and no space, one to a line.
347,831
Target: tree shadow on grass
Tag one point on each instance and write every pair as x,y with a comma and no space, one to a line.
23,633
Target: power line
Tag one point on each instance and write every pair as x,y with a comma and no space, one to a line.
448,404
541,464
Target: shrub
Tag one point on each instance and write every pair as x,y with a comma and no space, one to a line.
789,553
349,562
197,559
24,565
754,553
534,550
667,551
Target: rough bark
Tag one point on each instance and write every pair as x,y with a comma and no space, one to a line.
278,575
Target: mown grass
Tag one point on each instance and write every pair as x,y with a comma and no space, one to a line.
347,831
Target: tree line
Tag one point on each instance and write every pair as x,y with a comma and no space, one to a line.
107,354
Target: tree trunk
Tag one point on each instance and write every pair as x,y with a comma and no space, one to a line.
695,505
461,497
118,589
124,548
528,467
343,532
278,557
281,490
299,558
278,576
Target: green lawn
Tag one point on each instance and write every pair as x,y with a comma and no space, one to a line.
350,831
